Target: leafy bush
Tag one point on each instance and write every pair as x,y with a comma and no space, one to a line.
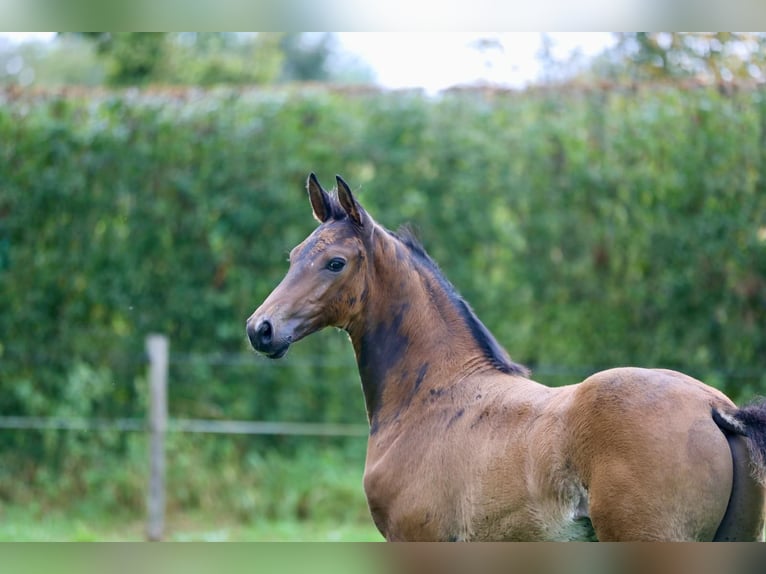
588,228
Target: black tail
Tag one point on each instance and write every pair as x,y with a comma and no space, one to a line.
749,421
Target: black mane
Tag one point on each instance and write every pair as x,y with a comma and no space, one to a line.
491,349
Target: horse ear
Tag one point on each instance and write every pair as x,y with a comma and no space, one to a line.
347,201
320,201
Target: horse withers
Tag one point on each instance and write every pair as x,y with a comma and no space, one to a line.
463,445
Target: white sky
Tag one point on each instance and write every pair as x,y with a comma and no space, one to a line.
23,36
434,61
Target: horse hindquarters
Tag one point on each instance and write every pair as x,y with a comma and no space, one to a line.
655,465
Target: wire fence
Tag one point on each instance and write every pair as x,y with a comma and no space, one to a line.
156,424
185,425
546,373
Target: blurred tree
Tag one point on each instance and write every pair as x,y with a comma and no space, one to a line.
209,58
132,57
307,56
69,60
195,58
718,56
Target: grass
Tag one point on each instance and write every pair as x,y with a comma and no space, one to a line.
22,524
19,524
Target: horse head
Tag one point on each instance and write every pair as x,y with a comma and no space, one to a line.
325,283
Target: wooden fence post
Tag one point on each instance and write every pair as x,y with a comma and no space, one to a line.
157,350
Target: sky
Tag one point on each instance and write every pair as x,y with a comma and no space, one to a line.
435,61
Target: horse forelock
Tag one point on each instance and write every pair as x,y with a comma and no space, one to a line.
337,213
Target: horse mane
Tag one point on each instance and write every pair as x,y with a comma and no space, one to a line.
492,350
497,356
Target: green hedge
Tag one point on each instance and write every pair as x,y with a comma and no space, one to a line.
588,229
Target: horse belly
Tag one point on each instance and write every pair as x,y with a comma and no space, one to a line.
534,529
426,501
554,511
417,515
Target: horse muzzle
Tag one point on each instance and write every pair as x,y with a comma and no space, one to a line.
263,338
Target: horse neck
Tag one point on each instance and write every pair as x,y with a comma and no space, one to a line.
410,335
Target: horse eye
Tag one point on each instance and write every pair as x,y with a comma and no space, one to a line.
336,264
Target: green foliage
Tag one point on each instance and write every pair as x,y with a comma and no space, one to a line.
180,58
306,56
67,61
588,229
133,57
319,480
710,56
213,58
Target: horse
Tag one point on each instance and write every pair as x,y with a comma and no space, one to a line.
464,445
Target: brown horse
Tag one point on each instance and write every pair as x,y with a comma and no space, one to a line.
464,446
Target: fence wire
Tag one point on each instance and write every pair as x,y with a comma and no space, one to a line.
185,425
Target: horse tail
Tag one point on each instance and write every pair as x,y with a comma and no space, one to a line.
750,422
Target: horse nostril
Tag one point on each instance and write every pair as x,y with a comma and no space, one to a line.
261,335
265,332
